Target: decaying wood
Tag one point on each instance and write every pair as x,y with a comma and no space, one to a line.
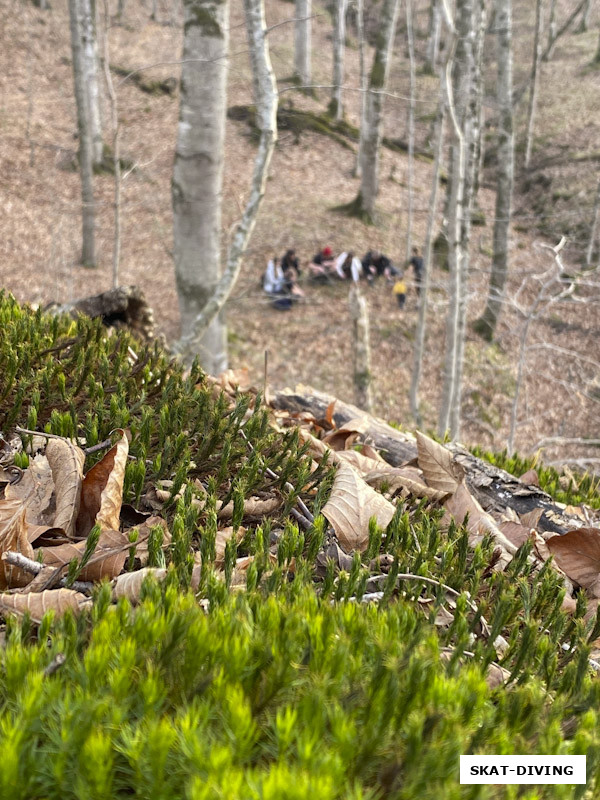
125,306
494,488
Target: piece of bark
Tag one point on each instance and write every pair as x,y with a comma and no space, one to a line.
493,488
124,306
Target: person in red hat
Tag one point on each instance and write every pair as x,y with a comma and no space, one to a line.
321,266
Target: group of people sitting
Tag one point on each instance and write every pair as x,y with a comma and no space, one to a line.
280,280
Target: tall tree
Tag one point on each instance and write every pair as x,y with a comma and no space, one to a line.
88,251
339,46
596,213
197,329
89,35
302,38
486,324
198,171
360,25
364,204
584,22
411,123
533,87
433,37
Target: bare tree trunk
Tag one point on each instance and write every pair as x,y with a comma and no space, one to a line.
339,46
590,250
198,172
533,89
584,23
267,124
411,123
486,324
90,49
360,24
88,253
116,154
419,348
479,81
554,35
597,56
302,52
551,32
359,313
433,39
364,204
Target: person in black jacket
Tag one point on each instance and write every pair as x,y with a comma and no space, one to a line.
418,265
290,264
375,264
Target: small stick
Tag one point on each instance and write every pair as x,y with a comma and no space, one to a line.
265,374
95,447
41,433
35,567
56,663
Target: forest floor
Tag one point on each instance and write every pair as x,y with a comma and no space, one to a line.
310,174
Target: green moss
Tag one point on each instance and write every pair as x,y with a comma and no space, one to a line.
356,209
204,18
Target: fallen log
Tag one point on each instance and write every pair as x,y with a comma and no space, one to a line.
122,307
494,488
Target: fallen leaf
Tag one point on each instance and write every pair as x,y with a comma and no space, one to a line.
35,490
496,676
223,536
439,468
530,478
107,560
102,491
66,462
329,413
577,553
350,506
141,545
407,478
36,604
479,524
129,584
253,507
359,461
342,438
515,532
13,536
531,518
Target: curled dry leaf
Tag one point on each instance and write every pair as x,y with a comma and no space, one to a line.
496,676
141,546
107,560
530,478
351,505
223,536
129,584
66,462
36,604
343,438
577,553
515,532
462,503
531,518
439,468
13,536
35,490
361,462
102,491
407,478
253,507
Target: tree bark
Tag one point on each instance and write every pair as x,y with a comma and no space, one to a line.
364,205
90,49
88,251
584,22
551,32
114,110
411,125
433,39
267,124
339,46
554,34
122,306
533,88
359,313
198,172
360,24
486,325
594,231
302,42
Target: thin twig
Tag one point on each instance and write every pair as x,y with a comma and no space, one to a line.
35,567
56,663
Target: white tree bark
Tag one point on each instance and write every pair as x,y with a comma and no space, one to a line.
359,313
594,231
584,22
554,35
114,110
364,205
411,125
90,49
419,348
551,31
433,39
336,108
198,172
360,24
267,122
533,88
88,254
302,42
486,325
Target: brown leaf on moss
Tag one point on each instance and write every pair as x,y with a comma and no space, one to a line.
13,536
407,478
66,462
439,468
530,478
343,438
531,518
102,491
479,523
107,560
35,490
515,532
129,584
223,536
577,553
141,545
36,604
351,504
253,507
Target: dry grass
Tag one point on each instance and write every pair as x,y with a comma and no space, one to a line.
40,225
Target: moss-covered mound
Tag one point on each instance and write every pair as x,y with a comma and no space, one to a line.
358,677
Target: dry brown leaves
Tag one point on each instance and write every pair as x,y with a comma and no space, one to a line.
577,553
38,603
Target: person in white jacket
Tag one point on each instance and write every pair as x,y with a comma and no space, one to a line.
274,280
347,265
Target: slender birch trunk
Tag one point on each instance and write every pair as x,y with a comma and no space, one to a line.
198,172
360,24
584,23
90,49
486,324
551,32
552,39
336,108
479,85
419,349
88,253
433,39
267,125
364,204
533,89
594,231
302,40
359,313
114,110
411,124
